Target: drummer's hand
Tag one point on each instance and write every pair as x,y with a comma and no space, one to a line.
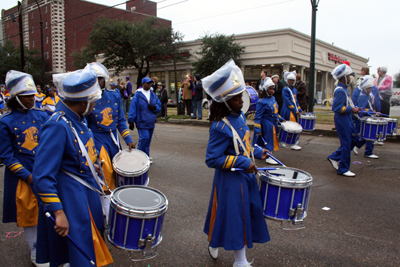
131,126
252,168
297,112
378,114
260,133
62,225
131,145
356,110
97,168
29,180
264,154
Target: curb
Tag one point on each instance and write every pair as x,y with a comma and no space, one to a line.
323,132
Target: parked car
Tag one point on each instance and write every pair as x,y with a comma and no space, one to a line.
171,102
395,101
329,100
204,104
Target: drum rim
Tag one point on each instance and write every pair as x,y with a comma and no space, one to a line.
308,116
131,249
374,121
135,212
279,219
127,173
290,130
288,183
392,120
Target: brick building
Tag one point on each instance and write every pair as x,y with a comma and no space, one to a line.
66,26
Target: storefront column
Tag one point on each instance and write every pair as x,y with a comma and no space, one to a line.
167,83
327,89
286,66
302,72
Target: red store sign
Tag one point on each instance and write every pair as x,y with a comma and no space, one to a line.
335,58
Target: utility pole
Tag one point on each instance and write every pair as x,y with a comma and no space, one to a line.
21,38
41,37
311,87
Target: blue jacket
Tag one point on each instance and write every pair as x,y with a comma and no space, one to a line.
139,111
376,101
57,151
288,111
236,194
198,95
107,115
19,137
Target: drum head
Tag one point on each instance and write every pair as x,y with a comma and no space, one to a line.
289,177
139,198
291,127
374,120
246,101
131,162
308,116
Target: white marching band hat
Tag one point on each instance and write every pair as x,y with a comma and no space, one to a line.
20,83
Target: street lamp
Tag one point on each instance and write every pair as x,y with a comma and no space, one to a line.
314,4
41,37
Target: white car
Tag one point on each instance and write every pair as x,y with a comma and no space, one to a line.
330,101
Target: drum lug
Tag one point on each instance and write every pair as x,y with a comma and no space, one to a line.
297,213
147,243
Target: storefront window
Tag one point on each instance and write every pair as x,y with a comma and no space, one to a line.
159,74
180,74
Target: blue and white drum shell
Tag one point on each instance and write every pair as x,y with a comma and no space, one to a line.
392,126
131,167
290,132
283,191
373,128
307,121
250,98
136,213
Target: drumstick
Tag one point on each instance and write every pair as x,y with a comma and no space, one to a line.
262,138
272,157
260,169
48,215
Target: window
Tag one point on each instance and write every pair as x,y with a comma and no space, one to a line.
32,29
45,9
181,75
33,43
47,39
32,15
7,23
46,24
47,55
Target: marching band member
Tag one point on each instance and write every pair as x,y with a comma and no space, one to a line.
266,120
39,97
143,112
290,108
65,179
19,135
343,108
238,221
50,102
106,118
2,99
365,101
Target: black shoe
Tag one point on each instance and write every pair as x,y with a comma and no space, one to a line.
193,118
200,119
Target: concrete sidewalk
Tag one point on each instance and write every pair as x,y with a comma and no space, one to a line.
320,129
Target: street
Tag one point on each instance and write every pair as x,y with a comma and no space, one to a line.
362,227
395,111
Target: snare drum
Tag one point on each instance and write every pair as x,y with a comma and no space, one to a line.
289,133
250,98
307,121
136,219
373,128
131,167
285,194
392,126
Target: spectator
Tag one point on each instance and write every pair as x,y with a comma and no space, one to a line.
260,82
39,97
278,91
181,105
301,92
198,98
384,84
129,91
155,84
124,95
187,96
364,71
163,100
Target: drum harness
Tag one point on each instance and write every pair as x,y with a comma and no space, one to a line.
85,154
348,102
115,140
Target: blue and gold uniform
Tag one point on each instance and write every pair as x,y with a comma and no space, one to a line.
49,104
39,99
106,118
364,101
234,217
57,190
2,100
266,123
19,136
344,126
290,104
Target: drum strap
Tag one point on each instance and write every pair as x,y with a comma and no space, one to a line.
236,138
89,161
294,100
80,180
116,141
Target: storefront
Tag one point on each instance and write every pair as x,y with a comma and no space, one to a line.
273,51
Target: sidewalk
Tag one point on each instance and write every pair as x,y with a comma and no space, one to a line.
320,129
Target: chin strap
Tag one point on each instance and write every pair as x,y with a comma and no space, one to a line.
226,104
87,109
22,105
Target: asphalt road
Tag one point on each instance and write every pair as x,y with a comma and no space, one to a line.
362,227
395,111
